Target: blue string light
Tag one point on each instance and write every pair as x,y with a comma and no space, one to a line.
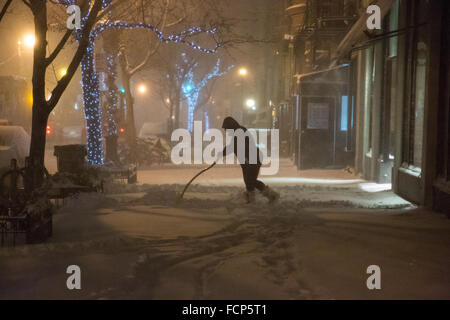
90,81
111,109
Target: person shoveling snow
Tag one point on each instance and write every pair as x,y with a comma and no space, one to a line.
250,159
250,166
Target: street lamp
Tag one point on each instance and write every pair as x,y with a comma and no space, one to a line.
243,72
29,40
63,72
142,89
251,103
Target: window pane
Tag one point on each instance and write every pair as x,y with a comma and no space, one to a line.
419,103
393,26
368,99
344,113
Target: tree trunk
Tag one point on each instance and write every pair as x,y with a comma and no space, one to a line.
90,84
40,109
177,104
35,165
171,120
131,125
112,100
111,148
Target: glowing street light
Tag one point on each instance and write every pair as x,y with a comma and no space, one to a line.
29,40
63,72
251,104
243,72
142,89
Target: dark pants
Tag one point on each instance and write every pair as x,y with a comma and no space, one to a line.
250,173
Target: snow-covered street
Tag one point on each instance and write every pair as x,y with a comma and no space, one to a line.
315,243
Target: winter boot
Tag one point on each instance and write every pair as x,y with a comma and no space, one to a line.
250,196
270,194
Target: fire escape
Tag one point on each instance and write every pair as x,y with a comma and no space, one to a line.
320,26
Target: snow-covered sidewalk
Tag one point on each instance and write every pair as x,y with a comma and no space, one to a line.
316,242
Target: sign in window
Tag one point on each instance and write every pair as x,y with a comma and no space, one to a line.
318,115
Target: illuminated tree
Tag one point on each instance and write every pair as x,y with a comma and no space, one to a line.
180,80
192,89
41,109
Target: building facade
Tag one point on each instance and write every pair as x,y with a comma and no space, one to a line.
400,86
397,90
15,101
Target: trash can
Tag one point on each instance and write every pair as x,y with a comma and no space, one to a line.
70,158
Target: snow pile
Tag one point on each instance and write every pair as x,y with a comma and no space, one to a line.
85,203
114,187
292,197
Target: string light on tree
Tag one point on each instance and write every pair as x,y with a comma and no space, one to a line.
192,90
113,101
90,82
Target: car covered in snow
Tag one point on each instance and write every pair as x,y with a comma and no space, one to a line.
153,129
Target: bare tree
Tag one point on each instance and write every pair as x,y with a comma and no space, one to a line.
185,75
41,62
128,71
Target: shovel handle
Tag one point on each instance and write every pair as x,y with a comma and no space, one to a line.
196,176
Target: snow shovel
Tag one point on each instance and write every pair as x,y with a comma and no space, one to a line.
180,196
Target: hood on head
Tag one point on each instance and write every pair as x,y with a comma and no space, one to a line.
230,124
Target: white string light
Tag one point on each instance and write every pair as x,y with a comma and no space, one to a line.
193,93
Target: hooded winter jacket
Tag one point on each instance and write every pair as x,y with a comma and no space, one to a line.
243,144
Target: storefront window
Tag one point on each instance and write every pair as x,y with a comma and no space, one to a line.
393,26
414,126
393,109
344,113
369,74
419,103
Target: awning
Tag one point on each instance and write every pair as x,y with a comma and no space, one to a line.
330,75
356,33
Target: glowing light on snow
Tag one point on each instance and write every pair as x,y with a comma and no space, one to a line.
374,187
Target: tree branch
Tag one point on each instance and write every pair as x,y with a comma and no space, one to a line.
79,54
58,48
4,9
28,4
152,52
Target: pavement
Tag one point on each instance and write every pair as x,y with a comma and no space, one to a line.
317,242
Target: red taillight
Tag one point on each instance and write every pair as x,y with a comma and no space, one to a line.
49,130
122,130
